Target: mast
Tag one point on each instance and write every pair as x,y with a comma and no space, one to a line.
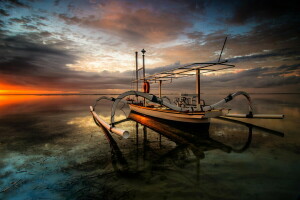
198,87
136,71
144,51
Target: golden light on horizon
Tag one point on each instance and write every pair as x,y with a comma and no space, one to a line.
12,89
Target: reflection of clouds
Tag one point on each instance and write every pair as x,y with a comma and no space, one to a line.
82,121
88,121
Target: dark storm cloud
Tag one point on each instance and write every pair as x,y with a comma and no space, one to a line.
56,2
4,13
150,22
39,58
261,77
22,20
289,68
45,34
259,10
275,53
38,17
40,24
142,25
24,45
16,3
39,65
194,5
26,63
264,41
30,27
70,20
29,19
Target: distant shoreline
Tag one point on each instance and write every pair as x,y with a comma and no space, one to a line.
67,94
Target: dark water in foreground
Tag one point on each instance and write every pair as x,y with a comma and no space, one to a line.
50,148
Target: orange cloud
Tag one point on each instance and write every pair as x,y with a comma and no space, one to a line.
134,24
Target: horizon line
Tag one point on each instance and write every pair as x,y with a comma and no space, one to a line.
120,93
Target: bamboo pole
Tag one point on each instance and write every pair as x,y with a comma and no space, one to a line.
120,132
160,81
264,116
136,71
198,87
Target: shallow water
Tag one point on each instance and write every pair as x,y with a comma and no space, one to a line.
50,148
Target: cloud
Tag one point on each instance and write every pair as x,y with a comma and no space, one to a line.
30,27
163,68
259,10
27,44
4,13
133,23
268,43
23,20
45,34
16,3
41,66
262,79
56,2
172,31
26,63
272,53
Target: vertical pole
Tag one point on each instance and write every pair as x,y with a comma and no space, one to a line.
144,73
144,67
198,87
137,74
160,88
136,71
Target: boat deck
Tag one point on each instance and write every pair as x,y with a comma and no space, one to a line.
168,114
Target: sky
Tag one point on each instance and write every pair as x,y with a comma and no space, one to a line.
88,46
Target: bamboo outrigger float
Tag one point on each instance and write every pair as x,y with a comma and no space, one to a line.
185,109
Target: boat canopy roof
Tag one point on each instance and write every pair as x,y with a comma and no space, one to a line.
187,70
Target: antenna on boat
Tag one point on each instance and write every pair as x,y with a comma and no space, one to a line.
222,49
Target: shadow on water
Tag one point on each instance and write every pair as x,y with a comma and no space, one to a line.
193,137
146,164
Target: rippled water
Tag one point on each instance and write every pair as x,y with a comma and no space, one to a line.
50,148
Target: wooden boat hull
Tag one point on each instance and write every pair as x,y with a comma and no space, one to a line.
195,117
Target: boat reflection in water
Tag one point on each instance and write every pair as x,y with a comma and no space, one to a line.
186,139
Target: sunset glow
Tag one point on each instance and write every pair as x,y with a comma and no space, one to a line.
12,89
89,46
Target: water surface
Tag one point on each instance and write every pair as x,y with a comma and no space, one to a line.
50,148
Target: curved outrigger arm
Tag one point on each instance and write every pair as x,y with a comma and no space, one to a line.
161,101
229,98
150,97
100,98
249,115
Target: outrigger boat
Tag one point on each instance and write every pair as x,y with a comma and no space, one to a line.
185,109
